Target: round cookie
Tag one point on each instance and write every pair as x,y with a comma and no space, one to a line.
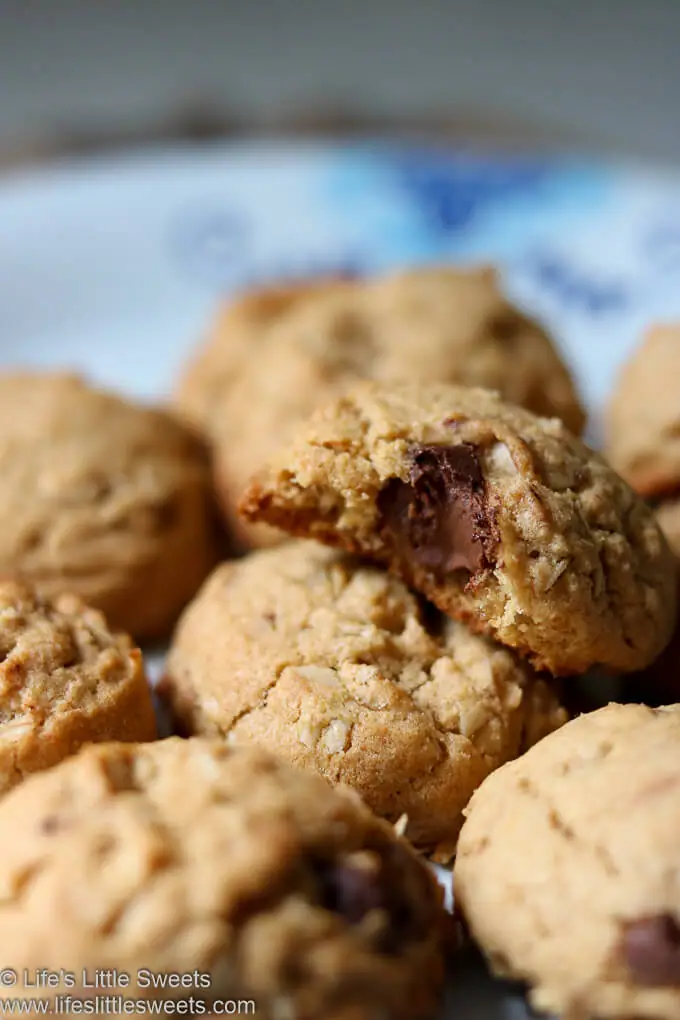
568,863
338,668
65,680
276,353
102,498
502,519
192,858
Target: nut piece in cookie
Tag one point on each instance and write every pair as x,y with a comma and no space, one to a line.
504,520
567,866
103,498
276,353
65,681
340,669
187,856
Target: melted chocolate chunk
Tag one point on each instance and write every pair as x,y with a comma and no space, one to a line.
651,948
353,890
441,517
49,824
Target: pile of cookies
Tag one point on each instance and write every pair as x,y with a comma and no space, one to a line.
383,557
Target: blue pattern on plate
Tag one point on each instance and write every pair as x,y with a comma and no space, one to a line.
450,192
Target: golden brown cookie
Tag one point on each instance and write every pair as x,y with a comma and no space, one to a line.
277,353
257,882
65,680
103,498
337,667
568,863
643,425
643,419
504,520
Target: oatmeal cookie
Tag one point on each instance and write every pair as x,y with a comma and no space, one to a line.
65,680
502,519
568,863
336,666
102,498
256,881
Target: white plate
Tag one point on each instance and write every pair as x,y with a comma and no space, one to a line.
114,266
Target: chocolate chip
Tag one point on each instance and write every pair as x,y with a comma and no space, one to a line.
505,327
651,948
166,514
49,824
353,892
354,888
441,517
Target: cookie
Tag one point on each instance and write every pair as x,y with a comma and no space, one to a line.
102,498
643,418
502,519
568,864
337,667
277,353
255,881
65,680
643,425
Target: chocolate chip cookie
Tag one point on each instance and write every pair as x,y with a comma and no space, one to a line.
643,425
65,680
502,519
276,353
102,498
568,863
256,881
340,669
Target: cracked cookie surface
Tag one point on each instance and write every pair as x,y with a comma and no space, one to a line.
65,680
103,498
339,668
502,519
276,353
568,871
187,855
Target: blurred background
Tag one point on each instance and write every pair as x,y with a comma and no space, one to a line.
539,135
597,74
